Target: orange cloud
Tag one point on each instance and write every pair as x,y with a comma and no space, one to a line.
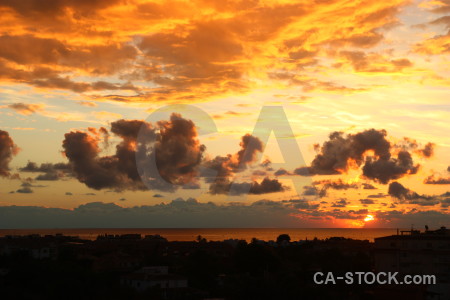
191,50
25,109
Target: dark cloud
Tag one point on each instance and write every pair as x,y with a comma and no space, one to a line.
445,202
175,148
379,195
158,196
176,214
436,180
7,151
369,149
406,195
310,191
267,185
397,190
25,190
301,204
68,194
404,219
428,150
220,170
336,184
335,154
368,186
46,167
282,172
384,171
51,172
49,177
367,201
117,171
178,150
340,203
223,167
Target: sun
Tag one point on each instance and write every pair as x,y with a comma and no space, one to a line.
369,218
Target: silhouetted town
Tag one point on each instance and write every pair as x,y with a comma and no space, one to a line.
132,266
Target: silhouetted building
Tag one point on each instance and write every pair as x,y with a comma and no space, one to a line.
154,277
416,253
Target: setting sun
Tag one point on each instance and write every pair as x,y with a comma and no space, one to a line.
369,218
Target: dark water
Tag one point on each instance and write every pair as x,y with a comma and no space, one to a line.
217,234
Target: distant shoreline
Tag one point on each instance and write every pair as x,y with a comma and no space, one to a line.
214,234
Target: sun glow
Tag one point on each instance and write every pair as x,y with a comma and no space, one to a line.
369,218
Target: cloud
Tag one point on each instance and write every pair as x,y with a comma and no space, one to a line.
397,190
367,201
340,203
179,213
177,153
368,186
366,40
223,167
336,184
34,8
205,55
88,103
379,195
310,191
281,172
436,180
94,58
24,190
404,219
374,63
186,50
438,44
26,109
427,151
176,150
51,172
220,170
368,149
383,171
406,195
7,151
267,185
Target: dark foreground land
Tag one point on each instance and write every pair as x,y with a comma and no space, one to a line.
135,267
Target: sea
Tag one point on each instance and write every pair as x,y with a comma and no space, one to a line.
216,234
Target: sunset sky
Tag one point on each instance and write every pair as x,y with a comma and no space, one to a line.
364,86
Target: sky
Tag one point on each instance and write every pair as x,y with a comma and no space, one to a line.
224,113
